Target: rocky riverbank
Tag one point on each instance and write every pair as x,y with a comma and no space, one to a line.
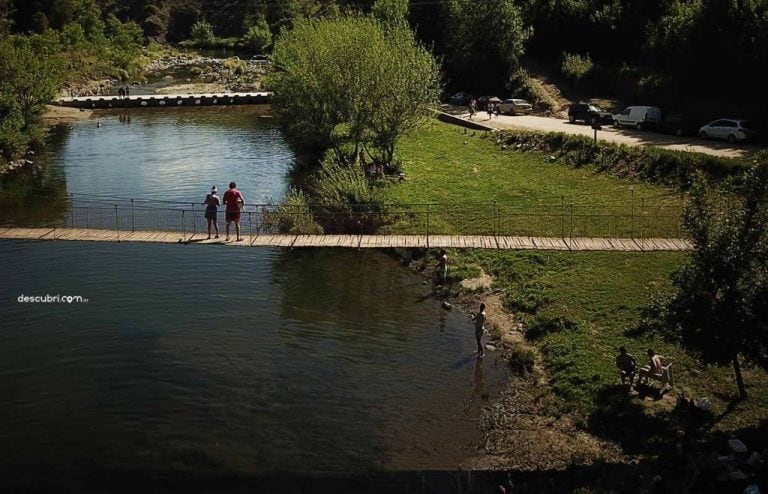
214,74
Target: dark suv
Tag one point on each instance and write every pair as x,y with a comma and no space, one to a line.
591,114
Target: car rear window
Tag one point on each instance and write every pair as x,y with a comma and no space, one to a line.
595,108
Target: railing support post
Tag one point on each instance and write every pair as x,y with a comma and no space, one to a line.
562,216
117,224
571,236
427,226
250,229
642,221
632,212
72,210
183,230
194,221
133,218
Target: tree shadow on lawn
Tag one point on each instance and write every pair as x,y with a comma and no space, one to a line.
627,419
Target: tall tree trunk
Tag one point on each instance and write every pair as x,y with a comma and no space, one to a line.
739,379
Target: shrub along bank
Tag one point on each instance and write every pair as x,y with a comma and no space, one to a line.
651,164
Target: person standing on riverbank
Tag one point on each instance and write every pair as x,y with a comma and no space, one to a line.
234,202
442,268
212,203
479,320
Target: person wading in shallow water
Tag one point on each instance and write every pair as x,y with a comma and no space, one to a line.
234,201
479,319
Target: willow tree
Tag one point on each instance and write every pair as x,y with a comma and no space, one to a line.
351,83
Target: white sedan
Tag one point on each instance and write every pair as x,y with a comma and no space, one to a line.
515,106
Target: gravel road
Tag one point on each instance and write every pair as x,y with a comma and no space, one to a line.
624,136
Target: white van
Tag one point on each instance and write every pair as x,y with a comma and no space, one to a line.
640,117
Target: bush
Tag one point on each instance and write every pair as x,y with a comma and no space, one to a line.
521,359
258,37
574,66
202,33
239,67
293,216
647,163
344,200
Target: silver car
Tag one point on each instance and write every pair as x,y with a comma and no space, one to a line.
515,106
731,129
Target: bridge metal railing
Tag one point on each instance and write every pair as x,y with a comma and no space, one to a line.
617,220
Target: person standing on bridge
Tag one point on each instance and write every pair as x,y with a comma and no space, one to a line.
234,202
212,203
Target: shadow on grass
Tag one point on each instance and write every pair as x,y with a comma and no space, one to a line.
625,419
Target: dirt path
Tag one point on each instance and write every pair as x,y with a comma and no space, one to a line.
622,136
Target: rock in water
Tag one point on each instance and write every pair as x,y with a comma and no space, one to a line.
490,348
446,305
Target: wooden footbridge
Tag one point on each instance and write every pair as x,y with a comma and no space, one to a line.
355,241
167,100
480,226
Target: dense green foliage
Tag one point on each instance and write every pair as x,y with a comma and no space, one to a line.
720,307
347,84
659,51
78,42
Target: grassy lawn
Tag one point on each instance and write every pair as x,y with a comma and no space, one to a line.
578,308
465,174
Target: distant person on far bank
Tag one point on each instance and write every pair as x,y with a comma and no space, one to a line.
479,320
212,203
127,91
234,202
120,92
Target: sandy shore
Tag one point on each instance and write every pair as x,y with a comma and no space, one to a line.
55,115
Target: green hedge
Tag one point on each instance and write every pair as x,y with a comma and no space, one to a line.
651,164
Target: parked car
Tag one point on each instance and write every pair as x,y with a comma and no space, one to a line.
591,114
640,117
461,99
680,124
515,106
731,129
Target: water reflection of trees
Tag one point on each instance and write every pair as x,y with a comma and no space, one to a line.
334,286
36,195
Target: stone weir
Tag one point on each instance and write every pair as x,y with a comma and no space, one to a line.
167,100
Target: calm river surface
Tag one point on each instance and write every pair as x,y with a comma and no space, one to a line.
209,358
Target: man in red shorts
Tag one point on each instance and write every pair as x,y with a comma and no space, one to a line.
234,201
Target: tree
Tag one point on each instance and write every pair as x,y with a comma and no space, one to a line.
391,12
720,308
484,43
27,83
346,84
202,33
258,37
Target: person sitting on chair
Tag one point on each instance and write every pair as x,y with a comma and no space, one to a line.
627,365
653,367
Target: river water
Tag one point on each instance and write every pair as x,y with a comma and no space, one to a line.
209,358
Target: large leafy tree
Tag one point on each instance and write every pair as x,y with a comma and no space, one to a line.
350,83
720,308
484,42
